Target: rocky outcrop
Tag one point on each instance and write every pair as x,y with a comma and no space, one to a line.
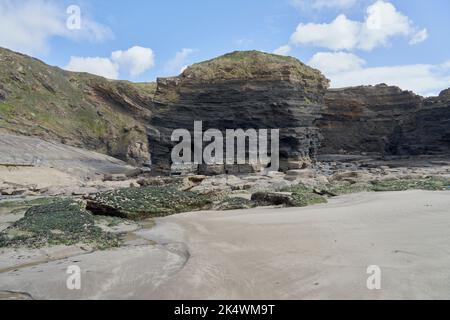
432,126
368,119
77,109
385,120
21,151
30,166
3,93
242,90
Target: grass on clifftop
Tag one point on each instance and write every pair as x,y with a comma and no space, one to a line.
249,65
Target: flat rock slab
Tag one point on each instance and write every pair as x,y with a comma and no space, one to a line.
26,152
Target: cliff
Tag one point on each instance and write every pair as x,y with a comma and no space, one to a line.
242,90
385,120
77,109
432,131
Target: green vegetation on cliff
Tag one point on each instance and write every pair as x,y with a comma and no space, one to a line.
75,108
241,65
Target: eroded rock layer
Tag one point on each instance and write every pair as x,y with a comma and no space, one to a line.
432,131
77,109
242,90
386,120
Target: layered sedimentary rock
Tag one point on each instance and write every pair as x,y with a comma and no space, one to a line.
432,126
386,120
242,90
77,109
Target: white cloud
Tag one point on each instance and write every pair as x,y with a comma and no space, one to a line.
423,79
333,62
419,37
340,34
178,62
382,22
91,31
99,66
345,70
27,26
283,50
134,61
321,4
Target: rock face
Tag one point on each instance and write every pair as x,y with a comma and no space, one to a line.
242,90
77,109
432,132
21,151
386,120
368,119
3,93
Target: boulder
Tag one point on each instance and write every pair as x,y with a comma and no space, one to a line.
115,177
235,203
146,202
301,174
273,199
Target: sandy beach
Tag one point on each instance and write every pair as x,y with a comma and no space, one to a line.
318,252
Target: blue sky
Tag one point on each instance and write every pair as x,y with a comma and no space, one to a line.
400,42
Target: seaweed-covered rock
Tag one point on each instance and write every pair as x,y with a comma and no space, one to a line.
151,201
303,196
181,183
272,199
61,222
347,187
235,203
307,199
431,184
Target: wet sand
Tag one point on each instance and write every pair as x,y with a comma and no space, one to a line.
319,252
